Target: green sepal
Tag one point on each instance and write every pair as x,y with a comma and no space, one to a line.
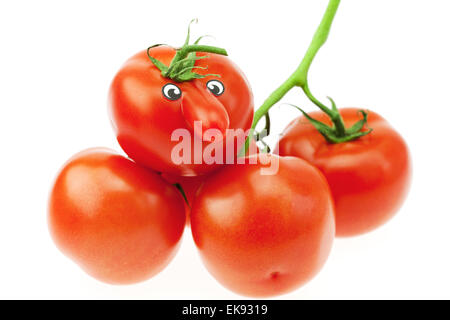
333,105
191,75
200,38
352,137
358,126
182,71
330,133
182,65
161,66
325,130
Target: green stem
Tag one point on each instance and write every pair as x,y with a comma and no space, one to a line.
201,48
300,75
300,78
334,115
320,37
267,128
271,100
337,133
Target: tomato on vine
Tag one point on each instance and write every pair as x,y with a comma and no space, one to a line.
368,177
338,172
365,161
163,89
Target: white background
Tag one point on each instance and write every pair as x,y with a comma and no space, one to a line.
58,58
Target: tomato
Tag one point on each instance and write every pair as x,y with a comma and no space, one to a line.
146,108
263,235
369,177
119,221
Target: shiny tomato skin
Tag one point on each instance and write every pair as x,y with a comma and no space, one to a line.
368,177
119,221
264,235
144,119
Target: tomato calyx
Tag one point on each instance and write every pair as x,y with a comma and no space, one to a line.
182,66
337,133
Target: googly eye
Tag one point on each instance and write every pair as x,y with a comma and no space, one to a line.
216,87
171,92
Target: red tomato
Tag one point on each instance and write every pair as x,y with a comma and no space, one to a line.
119,221
147,108
263,235
369,177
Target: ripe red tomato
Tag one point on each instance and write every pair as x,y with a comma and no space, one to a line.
119,221
147,108
368,177
263,235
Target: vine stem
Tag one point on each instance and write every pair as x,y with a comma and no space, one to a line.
201,48
300,76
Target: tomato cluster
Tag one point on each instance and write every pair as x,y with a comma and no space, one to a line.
264,224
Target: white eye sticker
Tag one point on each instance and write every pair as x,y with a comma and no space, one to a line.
171,92
216,87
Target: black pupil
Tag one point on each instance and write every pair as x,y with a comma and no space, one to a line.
171,92
215,89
